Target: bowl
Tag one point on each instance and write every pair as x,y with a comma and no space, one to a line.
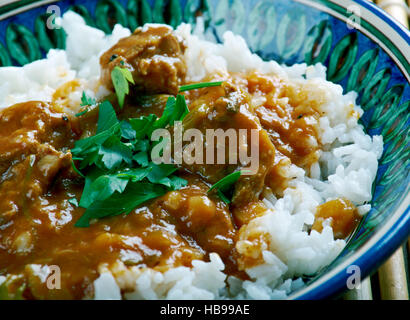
363,48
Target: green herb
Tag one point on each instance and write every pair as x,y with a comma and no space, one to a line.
106,117
182,108
92,175
121,203
13,288
104,187
134,175
121,77
223,197
224,185
127,132
76,169
85,102
114,153
73,201
142,158
143,126
175,110
81,113
105,149
195,86
158,174
120,174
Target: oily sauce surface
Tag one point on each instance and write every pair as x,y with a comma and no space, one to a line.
38,184
37,219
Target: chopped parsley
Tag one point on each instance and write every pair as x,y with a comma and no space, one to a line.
86,101
119,173
116,162
73,201
121,77
200,86
224,185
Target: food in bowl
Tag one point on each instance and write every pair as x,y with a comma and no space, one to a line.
87,210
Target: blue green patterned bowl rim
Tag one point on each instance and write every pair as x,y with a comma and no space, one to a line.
387,239
383,243
395,43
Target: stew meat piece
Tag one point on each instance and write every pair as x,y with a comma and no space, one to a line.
34,142
154,57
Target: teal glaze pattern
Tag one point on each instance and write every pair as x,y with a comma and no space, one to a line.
287,31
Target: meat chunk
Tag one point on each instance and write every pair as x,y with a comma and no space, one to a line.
153,54
32,137
229,108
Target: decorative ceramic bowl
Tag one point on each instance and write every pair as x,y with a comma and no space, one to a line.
363,48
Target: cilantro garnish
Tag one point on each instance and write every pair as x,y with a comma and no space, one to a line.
76,169
121,77
117,166
175,110
73,201
224,185
116,162
86,101
121,203
195,86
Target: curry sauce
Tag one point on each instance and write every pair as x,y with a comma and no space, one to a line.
38,185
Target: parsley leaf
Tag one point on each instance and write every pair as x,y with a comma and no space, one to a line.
73,201
104,187
195,86
92,175
159,174
116,161
175,110
142,158
104,149
121,203
121,77
167,114
76,169
134,175
107,117
114,153
143,126
182,108
87,101
225,184
86,146
177,183
127,131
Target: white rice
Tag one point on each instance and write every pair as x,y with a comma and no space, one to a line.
347,167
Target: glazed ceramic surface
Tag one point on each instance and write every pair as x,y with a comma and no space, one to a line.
362,47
